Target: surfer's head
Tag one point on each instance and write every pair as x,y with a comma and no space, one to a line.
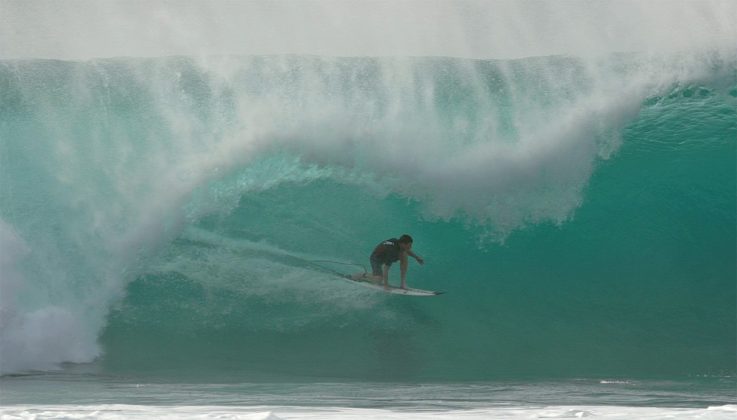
405,242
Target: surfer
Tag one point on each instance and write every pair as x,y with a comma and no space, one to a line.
388,252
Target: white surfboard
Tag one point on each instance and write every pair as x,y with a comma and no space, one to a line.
363,280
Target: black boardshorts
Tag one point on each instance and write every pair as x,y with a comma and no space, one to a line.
376,268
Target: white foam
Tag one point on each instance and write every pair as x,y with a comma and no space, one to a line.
120,411
39,338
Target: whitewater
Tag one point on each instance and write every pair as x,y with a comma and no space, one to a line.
170,173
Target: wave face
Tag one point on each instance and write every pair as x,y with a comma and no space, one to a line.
161,215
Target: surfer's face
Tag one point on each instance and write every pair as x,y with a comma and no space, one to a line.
406,246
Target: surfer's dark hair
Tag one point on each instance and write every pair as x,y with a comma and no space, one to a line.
405,239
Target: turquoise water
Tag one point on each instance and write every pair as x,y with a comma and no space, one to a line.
159,217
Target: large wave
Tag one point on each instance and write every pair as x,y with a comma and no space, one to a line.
579,210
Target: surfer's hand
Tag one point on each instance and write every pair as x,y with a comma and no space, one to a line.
420,260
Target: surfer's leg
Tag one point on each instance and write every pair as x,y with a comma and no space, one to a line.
385,275
373,279
376,267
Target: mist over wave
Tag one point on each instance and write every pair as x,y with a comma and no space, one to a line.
179,197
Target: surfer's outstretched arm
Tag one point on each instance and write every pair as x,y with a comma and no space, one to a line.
417,257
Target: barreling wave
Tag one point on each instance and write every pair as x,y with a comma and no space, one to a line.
161,212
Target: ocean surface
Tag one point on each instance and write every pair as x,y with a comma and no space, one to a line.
170,227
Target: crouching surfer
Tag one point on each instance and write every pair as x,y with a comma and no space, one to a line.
388,252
